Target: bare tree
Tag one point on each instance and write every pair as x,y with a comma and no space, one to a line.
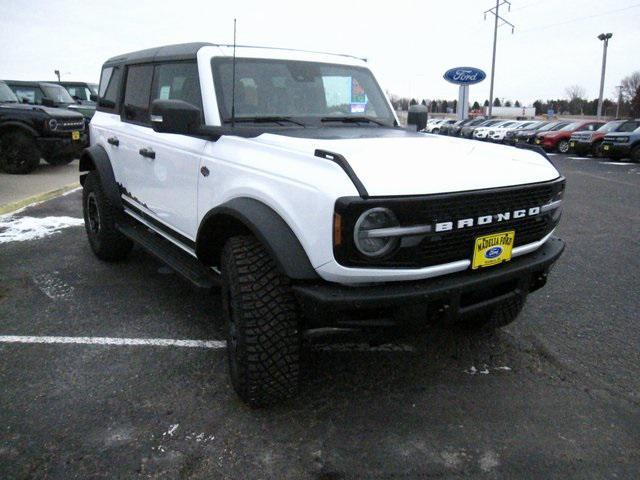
630,85
575,92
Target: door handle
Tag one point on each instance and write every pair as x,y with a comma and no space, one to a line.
113,141
147,152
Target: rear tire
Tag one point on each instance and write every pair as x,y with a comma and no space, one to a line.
261,314
100,217
19,153
497,317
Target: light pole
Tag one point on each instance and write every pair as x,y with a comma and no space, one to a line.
619,87
605,38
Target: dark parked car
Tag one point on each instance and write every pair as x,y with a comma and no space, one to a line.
622,145
559,139
455,129
29,132
529,136
48,95
510,138
583,143
467,130
81,92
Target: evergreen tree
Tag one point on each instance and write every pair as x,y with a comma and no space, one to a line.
507,103
423,102
445,105
517,104
496,102
434,106
476,106
486,103
635,103
413,102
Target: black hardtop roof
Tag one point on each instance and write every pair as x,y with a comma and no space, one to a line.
30,83
181,51
188,51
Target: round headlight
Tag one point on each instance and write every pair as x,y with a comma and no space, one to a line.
53,124
370,242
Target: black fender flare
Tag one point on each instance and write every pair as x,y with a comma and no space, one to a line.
20,126
265,224
96,158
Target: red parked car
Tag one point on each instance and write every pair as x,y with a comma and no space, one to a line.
559,139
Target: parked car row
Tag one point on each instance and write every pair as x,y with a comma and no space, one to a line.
615,139
39,123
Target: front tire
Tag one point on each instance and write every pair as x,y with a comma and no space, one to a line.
100,216
261,314
19,153
563,146
635,154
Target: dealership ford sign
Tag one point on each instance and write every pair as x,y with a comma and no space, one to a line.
464,75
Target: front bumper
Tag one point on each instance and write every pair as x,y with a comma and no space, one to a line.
62,145
580,148
616,150
456,295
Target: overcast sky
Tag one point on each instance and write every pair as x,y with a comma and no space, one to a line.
409,43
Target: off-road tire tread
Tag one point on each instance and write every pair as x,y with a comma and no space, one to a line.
499,316
31,152
111,245
268,357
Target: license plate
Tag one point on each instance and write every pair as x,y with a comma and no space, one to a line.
572,144
75,135
605,147
538,141
492,249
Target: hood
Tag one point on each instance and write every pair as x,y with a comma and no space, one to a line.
53,111
397,162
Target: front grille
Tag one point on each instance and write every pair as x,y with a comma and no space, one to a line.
444,247
67,126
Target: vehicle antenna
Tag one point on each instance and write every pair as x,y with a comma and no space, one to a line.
233,79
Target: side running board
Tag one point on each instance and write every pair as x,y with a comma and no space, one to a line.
175,258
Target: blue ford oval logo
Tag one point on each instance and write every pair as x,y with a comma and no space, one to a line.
464,75
493,252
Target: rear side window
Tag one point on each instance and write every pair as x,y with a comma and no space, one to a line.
628,126
177,81
136,94
109,90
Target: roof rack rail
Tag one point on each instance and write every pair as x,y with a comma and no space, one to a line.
364,59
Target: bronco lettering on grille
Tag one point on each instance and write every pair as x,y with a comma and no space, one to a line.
485,219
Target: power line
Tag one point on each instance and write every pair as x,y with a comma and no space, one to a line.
577,19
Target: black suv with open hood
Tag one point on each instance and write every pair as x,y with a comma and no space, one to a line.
29,132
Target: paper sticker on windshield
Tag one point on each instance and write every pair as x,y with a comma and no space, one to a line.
357,92
358,107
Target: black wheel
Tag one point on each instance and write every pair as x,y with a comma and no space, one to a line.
563,146
635,154
100,222
497,317
59,159
18,153
435,131
596,150
261,314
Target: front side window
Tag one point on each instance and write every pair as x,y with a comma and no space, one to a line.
629,126
109,90
137,92
309,91
28,95
177,81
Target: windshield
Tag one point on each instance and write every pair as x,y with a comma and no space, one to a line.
608,127
571,126
57,93
7,95
303,90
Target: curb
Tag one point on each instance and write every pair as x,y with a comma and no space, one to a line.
40,197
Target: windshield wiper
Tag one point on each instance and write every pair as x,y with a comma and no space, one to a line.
354,120
265,119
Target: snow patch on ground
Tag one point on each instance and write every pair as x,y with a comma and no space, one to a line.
30,228
52,286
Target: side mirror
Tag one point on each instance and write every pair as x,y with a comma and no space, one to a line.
47,102
174,116
418,116
25,100
93,97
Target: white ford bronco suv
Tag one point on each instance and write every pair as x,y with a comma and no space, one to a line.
284,176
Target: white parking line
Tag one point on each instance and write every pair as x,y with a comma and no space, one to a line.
616,163
153,342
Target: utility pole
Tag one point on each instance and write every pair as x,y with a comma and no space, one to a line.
619,87
57,72
605,38
495,12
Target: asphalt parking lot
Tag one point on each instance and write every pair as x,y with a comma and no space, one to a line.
556,395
